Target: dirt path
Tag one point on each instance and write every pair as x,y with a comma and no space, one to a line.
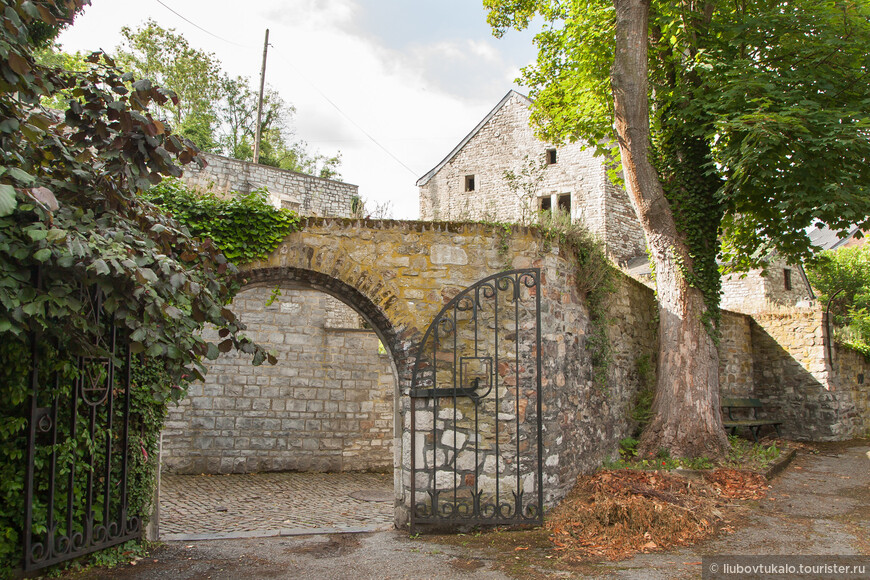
821,505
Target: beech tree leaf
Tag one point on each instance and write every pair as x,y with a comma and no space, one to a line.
8,200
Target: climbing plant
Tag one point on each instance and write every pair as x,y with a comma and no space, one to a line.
245,227
595,279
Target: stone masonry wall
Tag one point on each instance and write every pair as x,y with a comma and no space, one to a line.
507,142
736,362
795,382
400,274
397,276
305,194
853,377
326,406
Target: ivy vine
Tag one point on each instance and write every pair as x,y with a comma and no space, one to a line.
245,227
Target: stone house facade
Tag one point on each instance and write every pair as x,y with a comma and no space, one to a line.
470,183
781,283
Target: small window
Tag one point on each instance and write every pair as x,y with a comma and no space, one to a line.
551,156
565,203
469,183
546,203
786,278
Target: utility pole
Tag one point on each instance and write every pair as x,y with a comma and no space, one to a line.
260,102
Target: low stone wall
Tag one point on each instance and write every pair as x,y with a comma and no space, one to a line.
305,194
852,370
326,406
791,374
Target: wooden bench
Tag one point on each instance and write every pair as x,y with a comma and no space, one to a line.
743,405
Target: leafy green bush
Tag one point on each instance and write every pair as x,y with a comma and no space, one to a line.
844,274
246,227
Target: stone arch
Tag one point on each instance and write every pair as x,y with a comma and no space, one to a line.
394,339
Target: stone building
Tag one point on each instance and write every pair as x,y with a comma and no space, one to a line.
781,283
470,183
306,194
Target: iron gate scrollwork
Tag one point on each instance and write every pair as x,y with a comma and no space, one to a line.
76,479
476,433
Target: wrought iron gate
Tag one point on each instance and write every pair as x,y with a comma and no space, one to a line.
476,456
77,455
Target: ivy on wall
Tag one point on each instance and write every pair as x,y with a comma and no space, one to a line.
595,278
245,227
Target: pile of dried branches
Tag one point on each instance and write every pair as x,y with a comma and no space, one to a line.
616,513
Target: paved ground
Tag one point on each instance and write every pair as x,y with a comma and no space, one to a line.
821,505
272,504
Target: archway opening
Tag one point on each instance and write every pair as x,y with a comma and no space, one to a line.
318,429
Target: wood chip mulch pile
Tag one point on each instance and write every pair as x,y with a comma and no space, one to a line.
616,513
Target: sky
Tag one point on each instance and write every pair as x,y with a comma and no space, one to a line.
393,85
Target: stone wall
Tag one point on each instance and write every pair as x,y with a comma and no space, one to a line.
398,275
507,142
339,411
326,406
852,371
305,194
736,360
781,357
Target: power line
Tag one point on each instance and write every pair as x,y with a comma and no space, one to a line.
345,115
306,79
192,23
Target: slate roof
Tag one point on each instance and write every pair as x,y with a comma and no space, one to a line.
825,238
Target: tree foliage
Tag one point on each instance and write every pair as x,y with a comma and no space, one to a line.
771,95
167,59
742,121
217,112
69,204
844,276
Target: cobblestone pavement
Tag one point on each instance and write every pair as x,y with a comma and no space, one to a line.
273,504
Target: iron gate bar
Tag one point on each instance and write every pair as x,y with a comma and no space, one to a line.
94,389
425,387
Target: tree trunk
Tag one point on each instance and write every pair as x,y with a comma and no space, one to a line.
686,418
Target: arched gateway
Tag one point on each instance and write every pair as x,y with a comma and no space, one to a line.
398,276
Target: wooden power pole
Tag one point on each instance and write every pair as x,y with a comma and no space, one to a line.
260,102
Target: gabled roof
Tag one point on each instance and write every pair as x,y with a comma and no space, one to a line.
425,179
825,238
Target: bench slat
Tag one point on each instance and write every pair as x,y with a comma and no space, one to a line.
741,403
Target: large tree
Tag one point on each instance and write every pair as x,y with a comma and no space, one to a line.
738,124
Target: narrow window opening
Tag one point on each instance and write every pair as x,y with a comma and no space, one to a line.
565,203
551,156
546,203
469,183
786,278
